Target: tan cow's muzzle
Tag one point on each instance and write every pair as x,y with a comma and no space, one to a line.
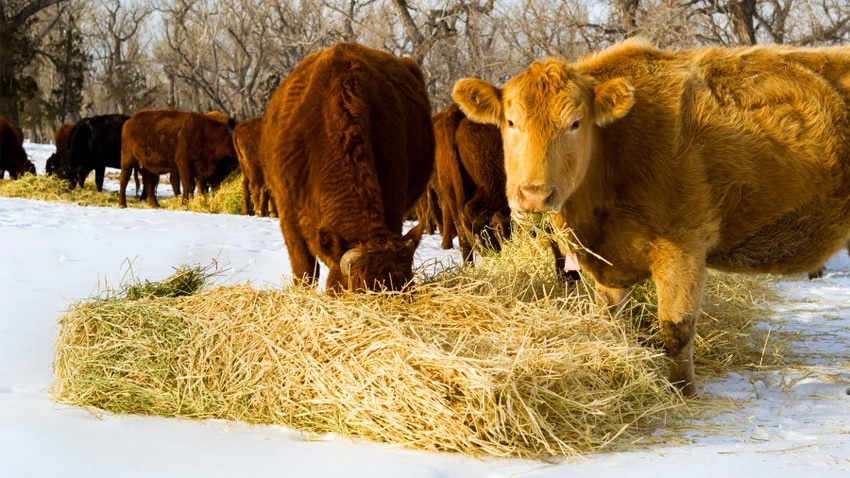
544,198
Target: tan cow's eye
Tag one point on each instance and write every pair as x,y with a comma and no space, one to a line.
575,125
510,124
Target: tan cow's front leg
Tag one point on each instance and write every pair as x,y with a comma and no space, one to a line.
680,281
610,299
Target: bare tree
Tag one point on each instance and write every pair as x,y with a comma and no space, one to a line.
229,55
805,22
16,49
121,82
628,12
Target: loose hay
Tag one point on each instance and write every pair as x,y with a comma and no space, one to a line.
51,188
226,200
498,359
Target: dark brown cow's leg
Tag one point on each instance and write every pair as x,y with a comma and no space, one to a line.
304,265
99,173
122,187
247,200
174,179
150,180
187,180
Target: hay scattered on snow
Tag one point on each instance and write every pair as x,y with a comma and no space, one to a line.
226,200
496,359
51,188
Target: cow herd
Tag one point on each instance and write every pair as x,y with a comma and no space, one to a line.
661,163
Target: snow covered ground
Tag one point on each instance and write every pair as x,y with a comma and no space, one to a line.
793,423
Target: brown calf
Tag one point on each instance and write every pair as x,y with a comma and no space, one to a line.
471,173
60,140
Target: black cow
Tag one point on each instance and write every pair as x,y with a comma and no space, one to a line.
94,145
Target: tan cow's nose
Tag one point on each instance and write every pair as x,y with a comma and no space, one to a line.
536,197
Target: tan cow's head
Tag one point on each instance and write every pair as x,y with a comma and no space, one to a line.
548,116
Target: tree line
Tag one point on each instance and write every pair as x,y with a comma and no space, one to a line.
61,60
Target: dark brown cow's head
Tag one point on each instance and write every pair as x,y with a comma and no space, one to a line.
13,157
385,263
548,116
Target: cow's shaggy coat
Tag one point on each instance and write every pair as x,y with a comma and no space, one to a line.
347,149
664,163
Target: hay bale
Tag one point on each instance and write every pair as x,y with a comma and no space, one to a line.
494,359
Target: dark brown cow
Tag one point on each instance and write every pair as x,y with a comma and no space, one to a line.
347,149
471,172
187,145
664,163
255,193
13,158
60,140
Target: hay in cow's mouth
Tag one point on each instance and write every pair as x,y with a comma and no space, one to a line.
497,359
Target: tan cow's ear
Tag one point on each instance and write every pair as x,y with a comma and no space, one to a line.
613,100
480,101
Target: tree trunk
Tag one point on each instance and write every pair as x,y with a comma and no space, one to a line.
8,79
9,44
742,14
628,16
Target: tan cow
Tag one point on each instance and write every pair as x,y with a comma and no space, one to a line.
665,163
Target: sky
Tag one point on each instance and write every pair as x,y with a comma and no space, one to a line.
793,422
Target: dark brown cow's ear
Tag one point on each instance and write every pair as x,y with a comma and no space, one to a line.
414,235
331,243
